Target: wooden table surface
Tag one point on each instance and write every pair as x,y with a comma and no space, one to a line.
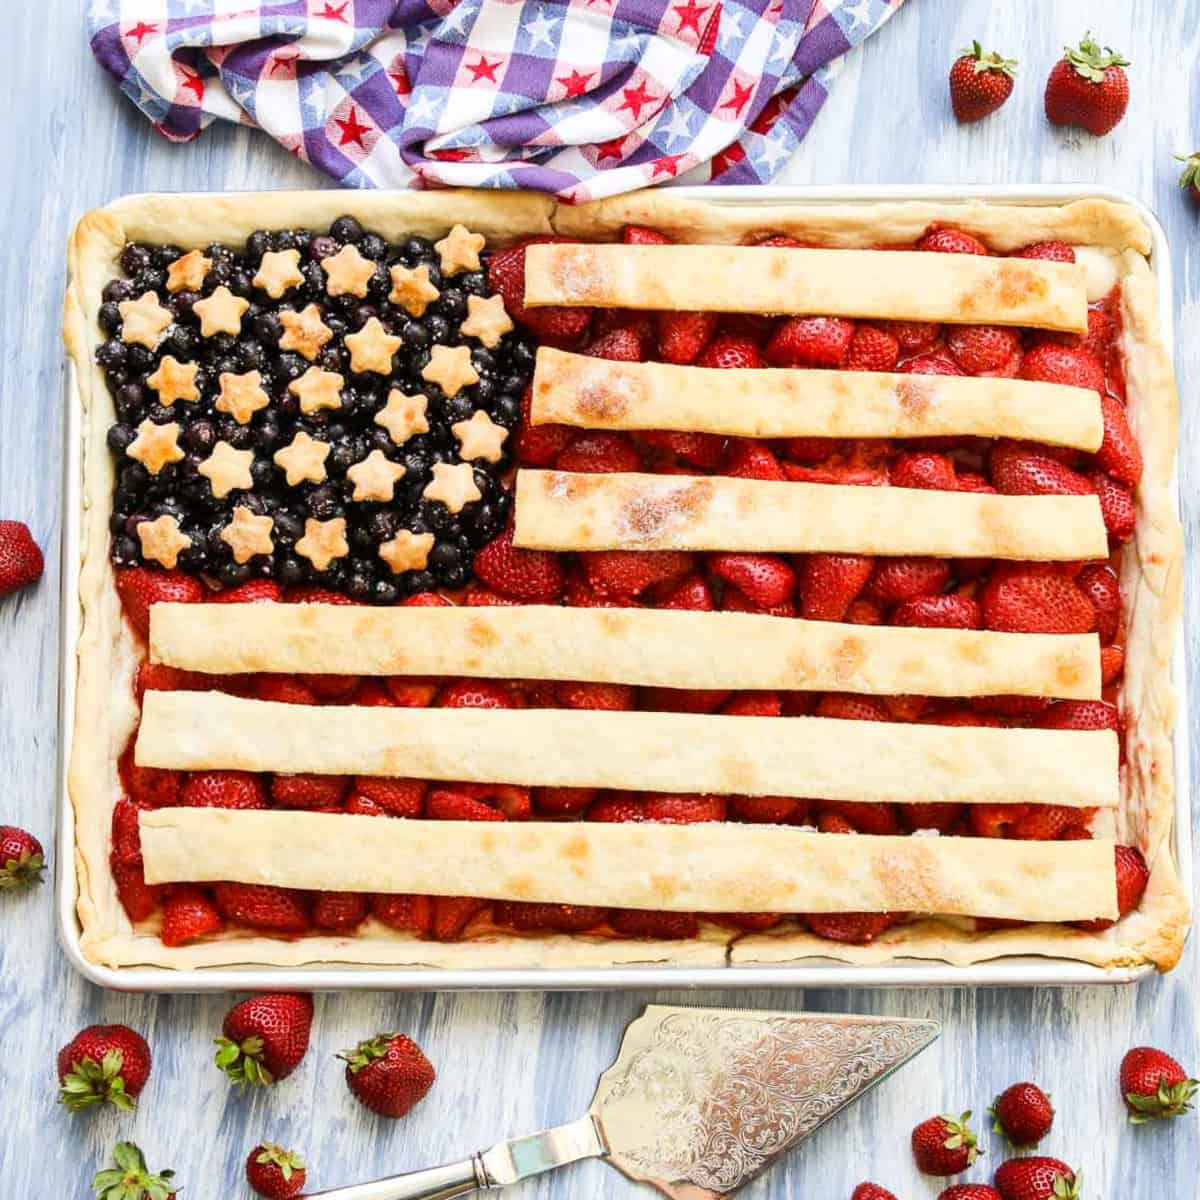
510,1064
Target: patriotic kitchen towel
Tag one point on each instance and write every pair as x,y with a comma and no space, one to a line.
582,98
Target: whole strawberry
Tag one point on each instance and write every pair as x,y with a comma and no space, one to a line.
871,1191
20,559
1022,1113
1036,1178
1190,179
1088,87
1154,1085
969,1191
275,1172
131,1179
388,1073
265,1037
103,1064
980,83
944,1145
22,859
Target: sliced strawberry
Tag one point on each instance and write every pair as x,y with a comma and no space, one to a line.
539,445
558,325
923,815
481,597
358,805
1019,469
138,898
628,573
410,914
697,449
563,802
152,787
749,922
1045,822
1080,714
1047,251
972,481
863,612
683,700
939,612
1112,663
626,344
924,469
895,580
423,600
599,452
373,694
764,579
734,601
188,913
931,364
340,912
663,926
602,697
282,689
555,918
1119,454
747,459
411,691
856,929
276,909
1098,582
768,810
1071,365
452,915
753,704
1035,598
1132,876
1019,708
811,342
155,677
140,587
828,583
689,595
256,591
995,820
223,789
332,688
834,823
845,707
617,808
683,335
872,348
642,235
1116,506
126,838
443,804
309,791
478,693
690,809
315,595
950,241
814,451
984,349
730,351
579,593
533,576
396,796
872,817
913,337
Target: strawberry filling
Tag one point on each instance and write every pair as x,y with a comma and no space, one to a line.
933,592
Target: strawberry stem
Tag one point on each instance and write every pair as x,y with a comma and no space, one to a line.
23,872
366,1052
1090,61
991,61
90,1082
1191,170
1170,1100
243,1062
130,1179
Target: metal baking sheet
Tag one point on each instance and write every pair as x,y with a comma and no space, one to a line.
1016,971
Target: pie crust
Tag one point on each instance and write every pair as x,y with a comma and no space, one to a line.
638,751
1111,242
558,510
646,647
597,393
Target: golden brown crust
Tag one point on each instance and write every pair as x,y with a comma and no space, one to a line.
561,510
646,647
1100,230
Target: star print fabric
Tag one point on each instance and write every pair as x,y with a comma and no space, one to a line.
579,98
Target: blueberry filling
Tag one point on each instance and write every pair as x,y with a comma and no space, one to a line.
248,345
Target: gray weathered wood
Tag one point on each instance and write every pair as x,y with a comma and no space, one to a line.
510,1064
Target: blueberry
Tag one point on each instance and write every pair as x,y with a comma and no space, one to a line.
473,283
139,360
268,328
323,503
234,574
112,353
451,304
322,247
372,246
109,317
251,355
199,437
126,551
417,248
346,229
151,279
439,329
241,282
358,583
258,243
421,581
287,239
290,366
289,570
415,334
116,290
288,526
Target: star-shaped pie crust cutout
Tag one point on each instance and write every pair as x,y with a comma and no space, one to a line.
453,485
411,289
347,272
144,321
318,389
402,416
162,540
248,534
241,395
174,381
450,368
459,250
487,320
226,468
156,445
304,331
480,437
323,541
303,460
278,271
188,271
406,551
371,348
221,312
375,478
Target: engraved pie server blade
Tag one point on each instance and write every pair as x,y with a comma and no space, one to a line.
699,1102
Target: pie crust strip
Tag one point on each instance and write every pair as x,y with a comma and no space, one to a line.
593,393
716,867
557,510
641,751
645,647
908,285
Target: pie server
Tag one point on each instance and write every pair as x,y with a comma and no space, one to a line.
699,1102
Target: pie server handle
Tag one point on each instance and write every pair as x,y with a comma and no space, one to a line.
504,1164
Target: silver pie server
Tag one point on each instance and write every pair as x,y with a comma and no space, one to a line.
699,1102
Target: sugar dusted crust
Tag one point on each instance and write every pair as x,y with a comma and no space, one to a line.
1111,241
